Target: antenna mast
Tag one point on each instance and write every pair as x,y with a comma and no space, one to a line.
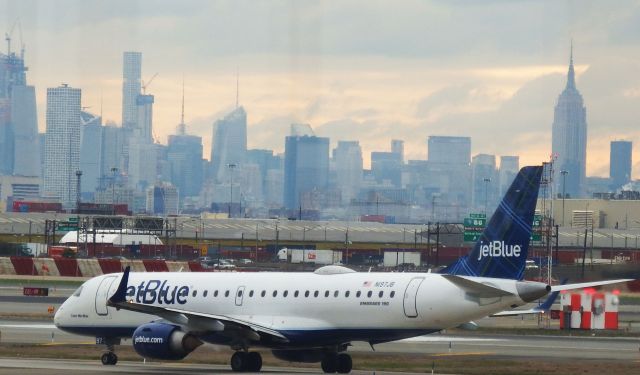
237,86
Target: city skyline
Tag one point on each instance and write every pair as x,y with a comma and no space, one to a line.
358,87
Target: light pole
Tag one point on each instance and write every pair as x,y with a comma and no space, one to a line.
231,167
564,180
486,193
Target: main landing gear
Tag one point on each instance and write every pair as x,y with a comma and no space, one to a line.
109,358
246,361
340,363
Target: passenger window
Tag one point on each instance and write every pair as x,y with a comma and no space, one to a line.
358,293
195,293
286,293
215,294
393,293
264,293
205,293
316,293
226,293
306,294
335,294
275,293
380,294
240,293
346,294
295,294
326,293
369,294
251,293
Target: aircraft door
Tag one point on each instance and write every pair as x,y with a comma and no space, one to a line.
410,296
102,294
239,295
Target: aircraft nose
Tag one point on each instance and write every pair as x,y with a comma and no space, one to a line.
57,318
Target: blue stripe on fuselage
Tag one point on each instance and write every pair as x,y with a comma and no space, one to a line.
299,338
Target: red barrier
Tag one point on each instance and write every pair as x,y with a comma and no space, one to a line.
24,266
110,266
154,265
196,267
68,267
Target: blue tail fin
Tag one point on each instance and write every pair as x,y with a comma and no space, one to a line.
502,249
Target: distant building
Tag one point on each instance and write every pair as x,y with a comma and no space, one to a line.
111,153
569,138
90,151
620,163
24,123
387,167
144,123
347,157
449,176
306,170
131,87
184,155
19,188
397,147
162,199
483,182
19,151
62,147
229,144
509,167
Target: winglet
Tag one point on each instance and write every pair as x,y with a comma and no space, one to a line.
120,295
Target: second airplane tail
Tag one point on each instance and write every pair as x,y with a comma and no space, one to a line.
501,251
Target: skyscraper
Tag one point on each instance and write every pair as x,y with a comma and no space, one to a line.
62,144
397,147
185,158
24,125
620,163
348,161
229,143
131,86
90,151
306,168
449,174
569,138
18,118
509,167
483,182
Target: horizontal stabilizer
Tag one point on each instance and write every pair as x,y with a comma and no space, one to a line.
478,289
558,288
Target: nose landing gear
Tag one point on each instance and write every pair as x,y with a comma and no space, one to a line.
109,358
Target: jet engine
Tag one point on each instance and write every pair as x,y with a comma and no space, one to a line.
163,341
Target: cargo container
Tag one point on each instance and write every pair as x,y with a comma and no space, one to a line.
397,258
310,256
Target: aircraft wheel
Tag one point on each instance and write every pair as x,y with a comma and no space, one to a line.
329,363
344,363
109,358
239,361
254,360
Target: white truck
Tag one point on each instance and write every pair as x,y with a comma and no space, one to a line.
397,258
310,256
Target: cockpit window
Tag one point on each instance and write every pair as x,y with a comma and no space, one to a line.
78,291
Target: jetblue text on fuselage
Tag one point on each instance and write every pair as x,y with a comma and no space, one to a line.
498,249
157,291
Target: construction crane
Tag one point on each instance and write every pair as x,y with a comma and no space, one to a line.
145,85
7,37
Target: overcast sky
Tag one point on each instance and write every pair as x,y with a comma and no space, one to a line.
355,70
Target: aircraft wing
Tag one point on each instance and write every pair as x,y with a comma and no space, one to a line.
194,321
558,288
473,287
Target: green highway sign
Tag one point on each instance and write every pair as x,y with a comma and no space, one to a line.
536,237
537,220
474,222
73,219
478,216
471,236
66,228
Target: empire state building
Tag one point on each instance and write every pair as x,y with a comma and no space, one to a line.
569,139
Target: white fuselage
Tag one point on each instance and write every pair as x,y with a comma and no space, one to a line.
310,309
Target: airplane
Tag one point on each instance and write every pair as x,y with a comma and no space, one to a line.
312,317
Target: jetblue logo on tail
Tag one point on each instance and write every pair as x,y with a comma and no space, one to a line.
498,249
